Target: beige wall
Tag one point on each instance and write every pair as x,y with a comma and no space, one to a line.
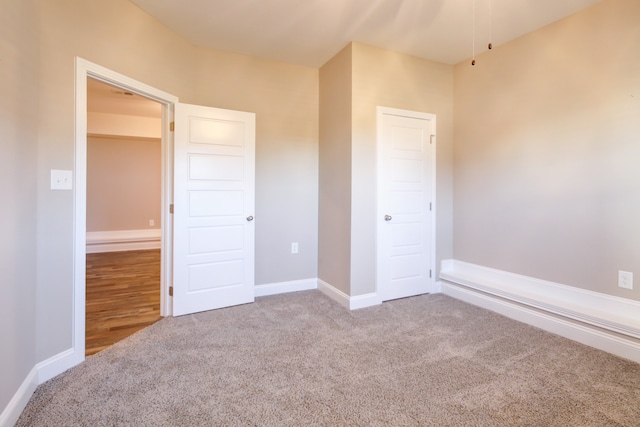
124,184
285,100
352,84
334,222
390,79
117,35
18,138
547,150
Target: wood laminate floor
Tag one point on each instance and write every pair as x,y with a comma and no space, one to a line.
123,296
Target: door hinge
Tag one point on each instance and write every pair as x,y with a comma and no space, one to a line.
172,126
171,208
170,291
430,206
431,139
430,274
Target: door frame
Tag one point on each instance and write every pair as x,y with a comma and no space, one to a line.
83,70
380,112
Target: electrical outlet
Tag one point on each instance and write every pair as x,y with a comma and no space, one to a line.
294,247
152,222
625,279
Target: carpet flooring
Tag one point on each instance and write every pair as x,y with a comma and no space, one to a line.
300,359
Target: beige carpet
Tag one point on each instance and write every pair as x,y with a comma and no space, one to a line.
301,359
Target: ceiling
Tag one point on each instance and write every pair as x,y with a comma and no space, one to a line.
310,32
104,98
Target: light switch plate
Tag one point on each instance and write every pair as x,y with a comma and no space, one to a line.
61,180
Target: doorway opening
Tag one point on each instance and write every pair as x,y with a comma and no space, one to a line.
124,188
85,73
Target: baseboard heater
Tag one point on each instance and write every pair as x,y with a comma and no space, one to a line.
123,240
586,313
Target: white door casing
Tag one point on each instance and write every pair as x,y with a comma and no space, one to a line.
85,69
214,160
406,210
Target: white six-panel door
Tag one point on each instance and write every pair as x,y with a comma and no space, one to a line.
405,201
214,159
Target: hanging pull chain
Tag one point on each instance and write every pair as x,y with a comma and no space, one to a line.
490,24
473,36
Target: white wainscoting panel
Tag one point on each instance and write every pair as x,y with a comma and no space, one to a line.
602,321
123,240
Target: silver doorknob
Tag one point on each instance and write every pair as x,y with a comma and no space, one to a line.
249,218
387,218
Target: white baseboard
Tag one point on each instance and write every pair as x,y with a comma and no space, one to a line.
57,364
351,303
602,321
284,287
123,240
19,401
437,287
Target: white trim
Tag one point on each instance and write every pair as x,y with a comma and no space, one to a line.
604,311
351,303
124,126
123,240
285,287
166,218
334,293
590,336
19,401
602,321
437,287
123,246
405,113
57,364
83,70
363,301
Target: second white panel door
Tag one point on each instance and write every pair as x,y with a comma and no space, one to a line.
405,192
